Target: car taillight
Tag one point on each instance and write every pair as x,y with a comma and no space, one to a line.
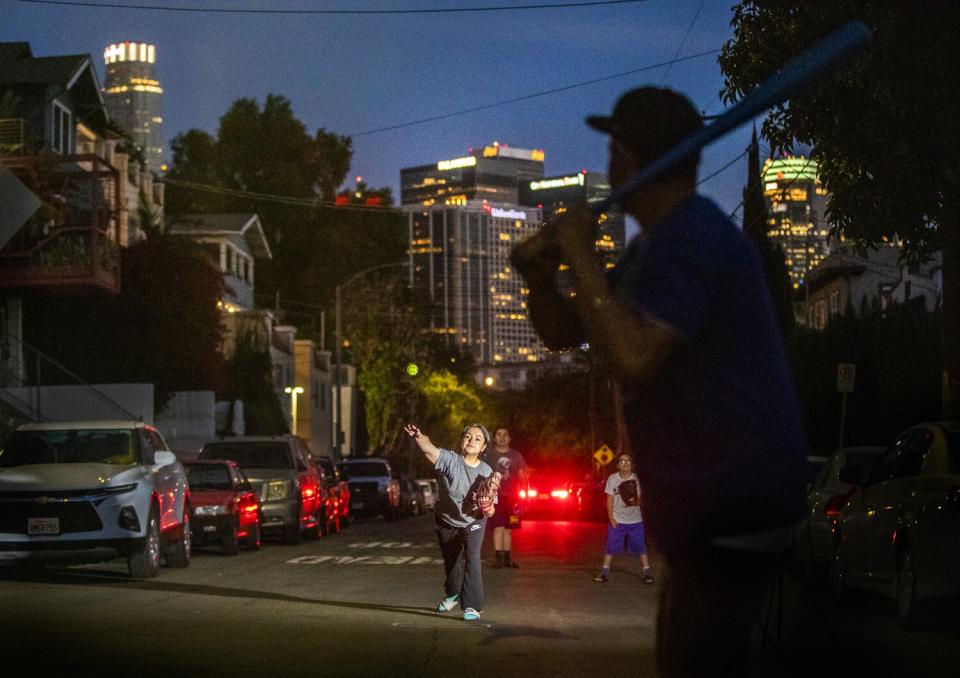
248,505
308,492
560,494
834,505
532,492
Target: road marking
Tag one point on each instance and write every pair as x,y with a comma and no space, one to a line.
365,560
391,545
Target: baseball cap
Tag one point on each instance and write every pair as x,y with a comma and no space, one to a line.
649,121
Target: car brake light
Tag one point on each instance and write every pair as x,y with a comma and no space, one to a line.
532,492
834,505
560,494
309,492
523,494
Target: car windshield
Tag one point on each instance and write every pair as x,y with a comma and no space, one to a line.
364,469
250,454
208,477
71,446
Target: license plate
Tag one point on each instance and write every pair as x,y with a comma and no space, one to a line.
43,526
357,504
209,528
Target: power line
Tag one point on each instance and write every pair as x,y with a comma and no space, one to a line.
722,169
271,197
330,12
535,95
684,40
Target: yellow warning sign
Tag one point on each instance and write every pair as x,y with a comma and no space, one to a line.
603,454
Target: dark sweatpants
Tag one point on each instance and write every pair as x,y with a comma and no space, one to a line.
708,603
461,561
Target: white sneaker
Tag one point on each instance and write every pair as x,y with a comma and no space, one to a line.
447,604
470,615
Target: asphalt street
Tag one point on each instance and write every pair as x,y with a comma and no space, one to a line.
362,603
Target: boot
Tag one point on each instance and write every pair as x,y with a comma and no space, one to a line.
507,562
498,563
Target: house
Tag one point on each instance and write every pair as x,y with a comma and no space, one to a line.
57,143
234,242
845,279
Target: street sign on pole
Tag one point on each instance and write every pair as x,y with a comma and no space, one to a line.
846,377
603,454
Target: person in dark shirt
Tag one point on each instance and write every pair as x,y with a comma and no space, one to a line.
686,324
506,517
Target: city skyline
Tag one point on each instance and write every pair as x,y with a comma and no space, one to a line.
356,75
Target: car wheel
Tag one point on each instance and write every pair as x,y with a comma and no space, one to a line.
231,541
912,612
252,541
178,553
144,562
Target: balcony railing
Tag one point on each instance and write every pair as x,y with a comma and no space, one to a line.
70,243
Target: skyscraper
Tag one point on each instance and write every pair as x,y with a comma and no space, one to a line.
796,213
555,195
134,96
463,217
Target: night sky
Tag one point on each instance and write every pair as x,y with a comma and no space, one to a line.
350,74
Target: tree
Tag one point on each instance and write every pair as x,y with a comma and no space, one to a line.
316,244
882,128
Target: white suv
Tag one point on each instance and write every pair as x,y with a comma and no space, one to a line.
80,492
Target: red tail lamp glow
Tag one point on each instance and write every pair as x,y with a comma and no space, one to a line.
559,494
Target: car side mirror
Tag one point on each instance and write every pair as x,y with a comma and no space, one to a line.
163,458
852,475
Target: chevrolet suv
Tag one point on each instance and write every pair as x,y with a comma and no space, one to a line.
82,492
285,477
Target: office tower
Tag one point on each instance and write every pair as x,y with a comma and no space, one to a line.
461,273
796,213
491,173
134,97
555,195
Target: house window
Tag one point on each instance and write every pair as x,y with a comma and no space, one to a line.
63,137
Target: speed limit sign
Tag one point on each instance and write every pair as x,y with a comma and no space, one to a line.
846,377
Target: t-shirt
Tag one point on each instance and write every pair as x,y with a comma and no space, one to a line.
457,481
510,464
717,434
623,513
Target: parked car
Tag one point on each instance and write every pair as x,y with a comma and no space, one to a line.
813,536
429,492
337,486
89,491
284,476
372,486
226,510
411,498
899,534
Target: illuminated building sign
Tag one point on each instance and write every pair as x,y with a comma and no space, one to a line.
559,182
507,152
507,214
457,163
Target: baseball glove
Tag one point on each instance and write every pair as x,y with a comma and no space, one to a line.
486,492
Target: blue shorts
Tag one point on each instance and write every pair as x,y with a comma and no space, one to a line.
629,536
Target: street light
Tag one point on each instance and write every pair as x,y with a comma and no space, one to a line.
338,341
294,392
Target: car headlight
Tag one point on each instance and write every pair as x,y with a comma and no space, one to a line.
277,489
211,510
